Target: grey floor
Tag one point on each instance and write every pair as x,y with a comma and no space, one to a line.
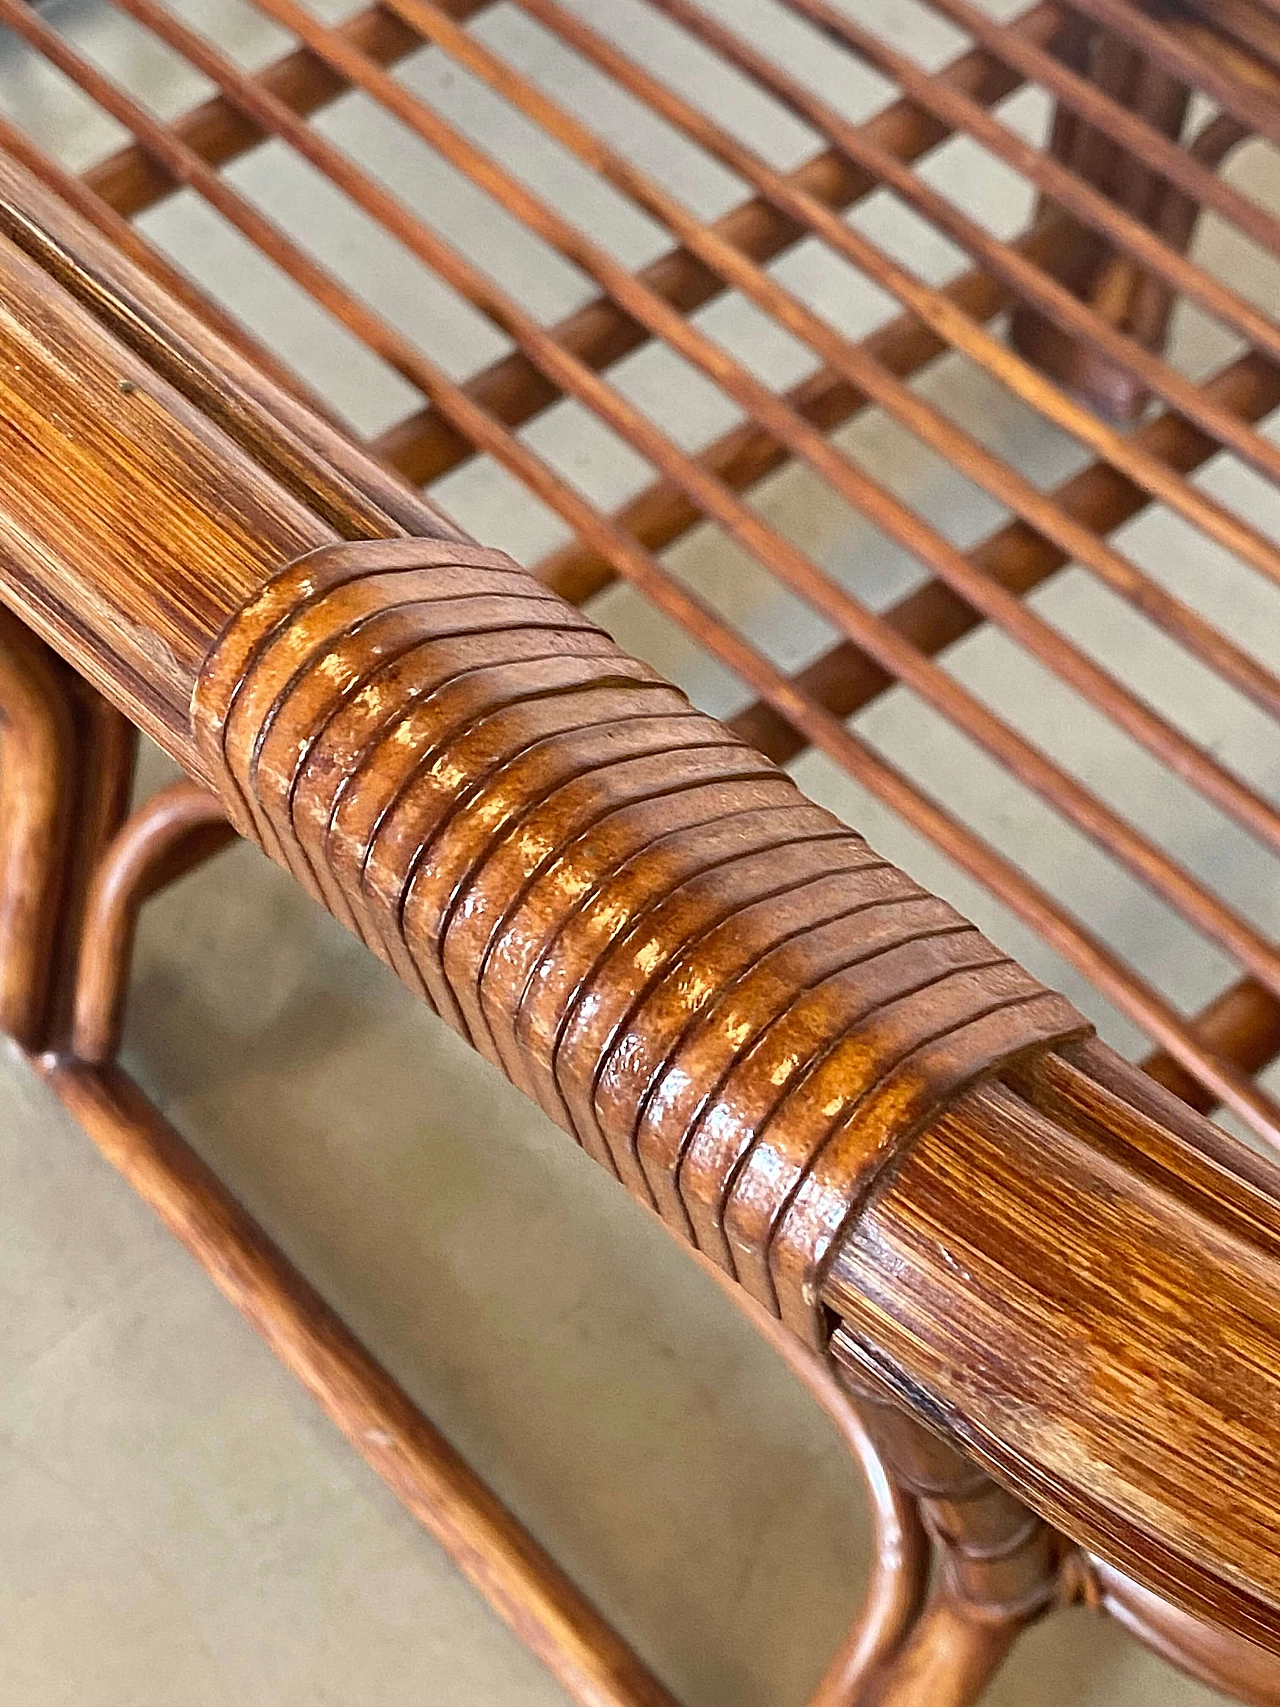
179,1526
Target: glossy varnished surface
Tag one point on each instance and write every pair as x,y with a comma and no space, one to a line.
107,376
738,1009
1039,1276
730,1001
1121,248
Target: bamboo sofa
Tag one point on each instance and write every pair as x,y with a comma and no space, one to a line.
1035,1286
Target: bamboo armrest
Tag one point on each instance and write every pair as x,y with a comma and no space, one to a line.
884,1129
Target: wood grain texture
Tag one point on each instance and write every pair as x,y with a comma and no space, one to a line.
1088,1301
142,555
563,367
138,514
822,1077
177,829
1236,1668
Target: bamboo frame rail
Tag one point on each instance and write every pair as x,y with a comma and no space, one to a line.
1141,1003
815,1073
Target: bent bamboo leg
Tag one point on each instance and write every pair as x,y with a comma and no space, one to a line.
37,781
175,830
106,747
894,1597
66,762
172,832
1241,1670
520,1580
1112,284
1000,1567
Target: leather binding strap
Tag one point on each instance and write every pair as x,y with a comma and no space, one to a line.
717,988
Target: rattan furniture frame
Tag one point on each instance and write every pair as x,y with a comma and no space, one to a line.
1037,1290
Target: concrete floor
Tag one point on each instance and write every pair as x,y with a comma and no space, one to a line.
181,1527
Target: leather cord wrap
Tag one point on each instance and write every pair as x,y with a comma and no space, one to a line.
717,988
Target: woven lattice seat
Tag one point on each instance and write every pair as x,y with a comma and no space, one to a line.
895,385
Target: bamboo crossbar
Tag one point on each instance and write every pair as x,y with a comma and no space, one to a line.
817,1074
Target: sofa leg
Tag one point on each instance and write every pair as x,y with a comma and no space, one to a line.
66,763
177,829
36,797
1000,1567
1113,285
